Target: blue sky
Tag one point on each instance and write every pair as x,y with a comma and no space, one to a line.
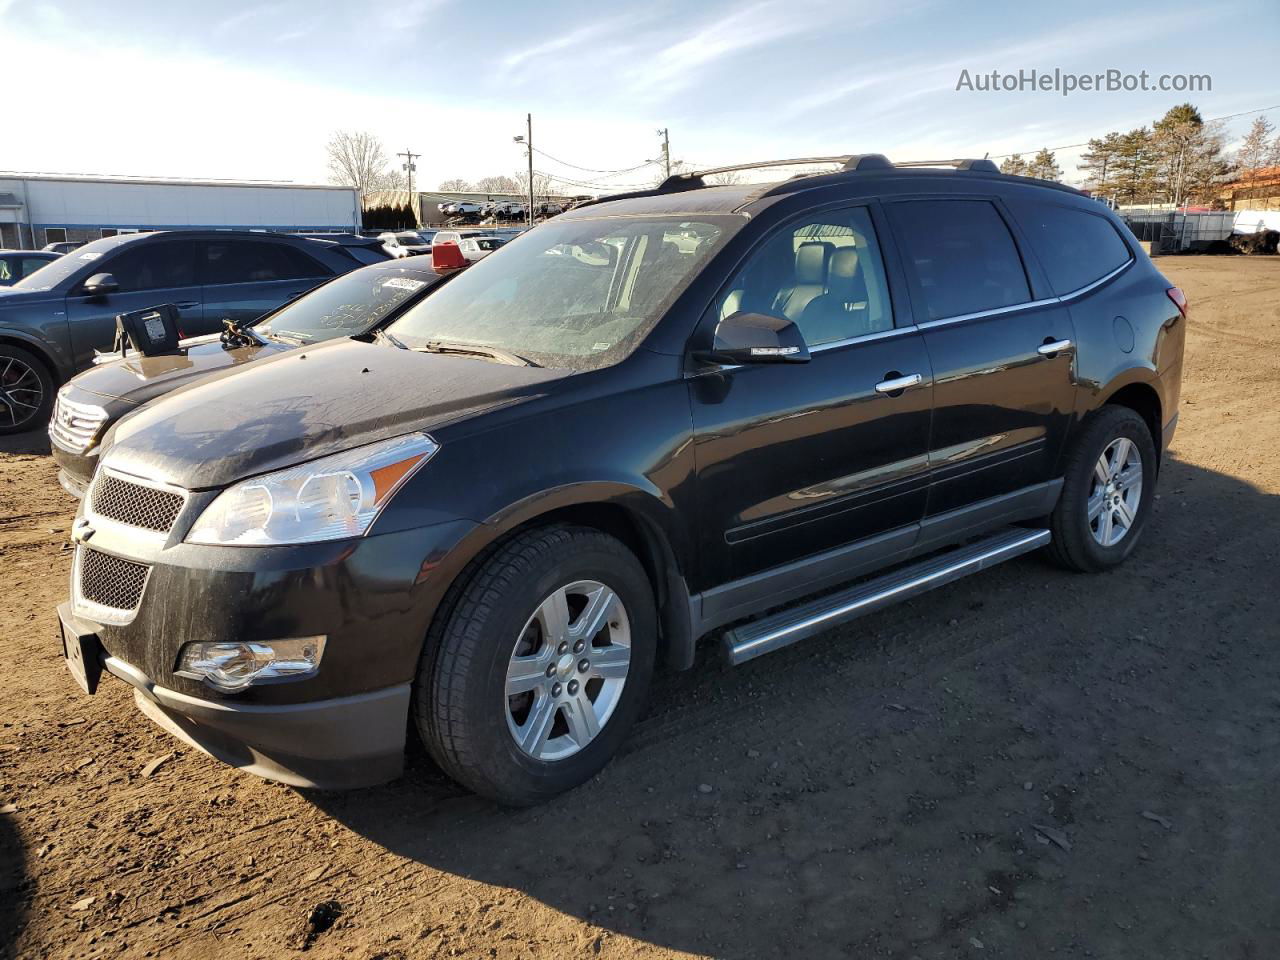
253,90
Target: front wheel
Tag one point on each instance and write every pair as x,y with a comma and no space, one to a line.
1109,485
540,665
26,390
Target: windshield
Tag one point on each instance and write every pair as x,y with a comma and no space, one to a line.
46,278
575,293
349,305
409,239
489,243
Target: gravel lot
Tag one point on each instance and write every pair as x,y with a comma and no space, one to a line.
1023,764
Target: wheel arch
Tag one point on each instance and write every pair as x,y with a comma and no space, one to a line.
1142,397
34,346
639,519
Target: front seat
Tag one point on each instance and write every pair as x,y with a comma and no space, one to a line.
841,312
810,281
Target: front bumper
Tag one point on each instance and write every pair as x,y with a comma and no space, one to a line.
338,743
373,598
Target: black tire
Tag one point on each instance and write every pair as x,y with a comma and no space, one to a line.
22,371
1073,545
459,694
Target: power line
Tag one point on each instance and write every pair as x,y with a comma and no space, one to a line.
590,185
1068,146
575,166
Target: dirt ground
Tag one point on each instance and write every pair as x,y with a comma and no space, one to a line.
1027,763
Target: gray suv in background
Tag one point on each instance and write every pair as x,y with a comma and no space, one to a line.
53,321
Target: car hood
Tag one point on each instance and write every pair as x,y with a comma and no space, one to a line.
137,379
303,404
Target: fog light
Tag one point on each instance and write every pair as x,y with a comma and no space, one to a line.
230,667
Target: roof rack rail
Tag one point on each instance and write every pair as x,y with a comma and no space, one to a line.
849,163
695,178
981,165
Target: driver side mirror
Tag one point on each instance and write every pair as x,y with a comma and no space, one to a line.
743,338
100,284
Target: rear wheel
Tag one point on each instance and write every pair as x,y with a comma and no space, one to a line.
540,666
1109,484
26,390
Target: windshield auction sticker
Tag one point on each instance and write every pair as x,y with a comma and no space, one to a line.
404,283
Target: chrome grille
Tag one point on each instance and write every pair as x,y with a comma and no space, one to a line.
75,426
118,499
107,581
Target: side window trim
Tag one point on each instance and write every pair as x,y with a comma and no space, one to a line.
1030,304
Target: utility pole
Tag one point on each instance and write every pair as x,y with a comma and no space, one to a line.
527,140
666,151
409,166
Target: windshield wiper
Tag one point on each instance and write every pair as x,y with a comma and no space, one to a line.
388,337
476,350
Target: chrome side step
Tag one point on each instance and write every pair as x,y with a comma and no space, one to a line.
796,623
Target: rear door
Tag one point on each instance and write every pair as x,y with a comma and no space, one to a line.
148,272
244,278
794,460
1003,404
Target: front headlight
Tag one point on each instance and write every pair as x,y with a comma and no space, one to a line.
332,498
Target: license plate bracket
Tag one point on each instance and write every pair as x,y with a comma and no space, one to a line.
82,653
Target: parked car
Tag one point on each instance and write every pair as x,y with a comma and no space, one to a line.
479,247
364,249
404,243
61,247
16,264
573,460
52,321
352,304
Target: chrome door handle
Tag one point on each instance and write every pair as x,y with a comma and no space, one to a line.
1055,347
898,384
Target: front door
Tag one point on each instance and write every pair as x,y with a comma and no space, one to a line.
149,273
1002,402
794,460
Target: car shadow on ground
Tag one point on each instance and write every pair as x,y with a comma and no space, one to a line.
976,766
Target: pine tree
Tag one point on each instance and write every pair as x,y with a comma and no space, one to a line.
1014,165
1189,163
1099,162
1135,167
1044,166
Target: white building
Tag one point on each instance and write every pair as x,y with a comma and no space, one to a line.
40,209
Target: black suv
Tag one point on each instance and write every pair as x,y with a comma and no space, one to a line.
759,410
52,321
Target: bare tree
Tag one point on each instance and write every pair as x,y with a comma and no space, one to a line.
456,185
1255,154
497,184
726,179
358,160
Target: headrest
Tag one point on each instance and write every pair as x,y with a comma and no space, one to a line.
811,262
842,276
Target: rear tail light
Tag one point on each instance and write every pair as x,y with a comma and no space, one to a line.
1179,299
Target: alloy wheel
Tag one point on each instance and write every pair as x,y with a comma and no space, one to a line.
568,670
1116,492
21,392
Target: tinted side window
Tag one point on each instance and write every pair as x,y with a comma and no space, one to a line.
153,266
1074,246
257,261
964,256
824,273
